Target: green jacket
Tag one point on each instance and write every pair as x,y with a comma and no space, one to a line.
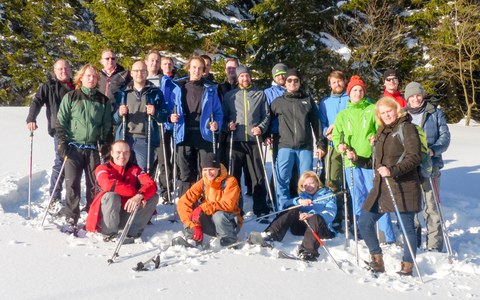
84,117
358,124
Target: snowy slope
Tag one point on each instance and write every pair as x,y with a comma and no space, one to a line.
42,263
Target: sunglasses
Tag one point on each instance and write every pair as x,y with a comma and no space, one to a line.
109,58
296,80
391,79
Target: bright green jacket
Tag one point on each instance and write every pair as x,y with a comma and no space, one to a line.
357,122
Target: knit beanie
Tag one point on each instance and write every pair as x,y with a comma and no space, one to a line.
292,72
210,161
279,69
390,72
356,80
242,69
413,88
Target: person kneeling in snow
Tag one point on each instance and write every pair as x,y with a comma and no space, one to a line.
315,207
210,205
123,186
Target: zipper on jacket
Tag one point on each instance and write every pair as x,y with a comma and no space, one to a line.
246,108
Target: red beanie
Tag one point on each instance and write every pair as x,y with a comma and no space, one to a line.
356,80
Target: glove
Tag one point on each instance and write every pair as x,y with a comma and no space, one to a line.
63,149
197,233
195,217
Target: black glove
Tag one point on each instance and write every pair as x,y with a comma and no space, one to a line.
63,149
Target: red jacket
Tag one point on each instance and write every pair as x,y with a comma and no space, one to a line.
397,96
125,181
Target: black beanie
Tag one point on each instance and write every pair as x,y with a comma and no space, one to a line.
390,72
292,72
210,161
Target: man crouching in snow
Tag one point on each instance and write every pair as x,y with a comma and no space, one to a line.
211,205
123,186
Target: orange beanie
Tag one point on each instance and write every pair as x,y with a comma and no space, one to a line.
356,80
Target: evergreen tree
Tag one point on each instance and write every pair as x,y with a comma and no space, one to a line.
292,32
34,37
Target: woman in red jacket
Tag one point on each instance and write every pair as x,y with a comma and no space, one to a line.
123,186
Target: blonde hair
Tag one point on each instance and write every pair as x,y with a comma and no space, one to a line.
198,58
390,103
77,80
305,176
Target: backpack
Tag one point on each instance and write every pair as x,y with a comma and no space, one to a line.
426,166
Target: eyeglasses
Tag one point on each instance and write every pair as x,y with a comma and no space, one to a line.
296,80
139,71
391,79
109,58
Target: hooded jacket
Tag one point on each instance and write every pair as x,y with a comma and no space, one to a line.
84,117
210,105
125,181
212,197
297,116
404,181
358,125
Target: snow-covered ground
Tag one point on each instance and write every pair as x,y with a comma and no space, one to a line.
43,263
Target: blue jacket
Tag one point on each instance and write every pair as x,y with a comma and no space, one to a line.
273,93
138,119
172,94
326,208
210,104
434,123
329,108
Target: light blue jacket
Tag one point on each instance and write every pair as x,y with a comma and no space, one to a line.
273,93
434,123
329,108
326,208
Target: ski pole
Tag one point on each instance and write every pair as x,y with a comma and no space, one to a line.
403,227
30,178
123,235
293,207
54,189
345,198
214,142
155,259
165,162
322,244
124,118
274,173
149,142
174,166
438,205
230,154
265,172
355,231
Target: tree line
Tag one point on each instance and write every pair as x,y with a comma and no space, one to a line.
435,42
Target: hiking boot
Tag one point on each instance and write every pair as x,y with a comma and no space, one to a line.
377,263
227,241
264,239
407,269
308,256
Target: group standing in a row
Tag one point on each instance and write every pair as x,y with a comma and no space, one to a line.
187,119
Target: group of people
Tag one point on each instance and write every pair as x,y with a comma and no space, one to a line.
121,127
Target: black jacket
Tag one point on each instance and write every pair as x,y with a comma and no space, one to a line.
297,116
50,94
118,80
